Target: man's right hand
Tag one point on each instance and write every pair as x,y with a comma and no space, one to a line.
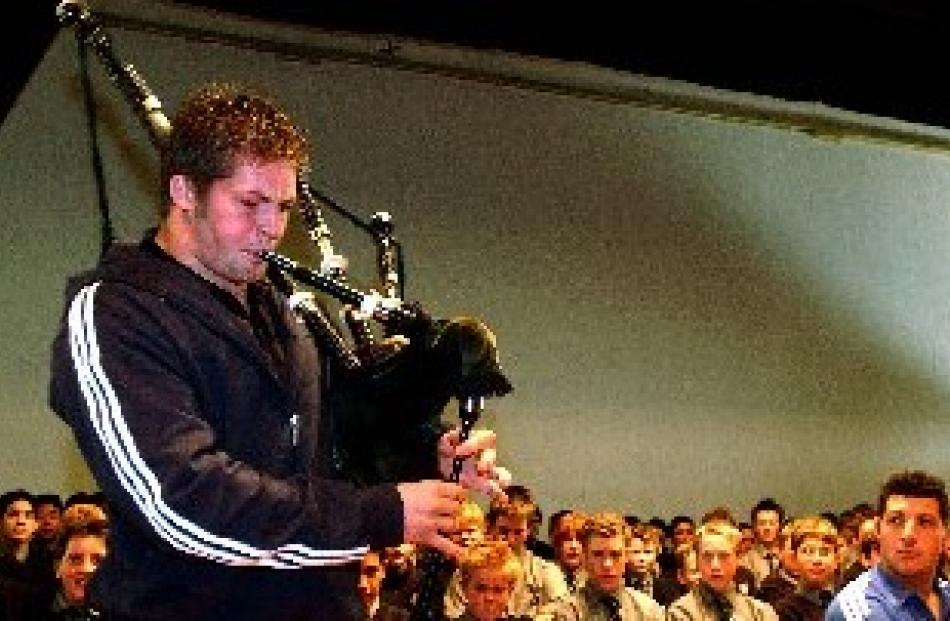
429,512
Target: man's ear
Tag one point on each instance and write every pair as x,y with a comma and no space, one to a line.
182,192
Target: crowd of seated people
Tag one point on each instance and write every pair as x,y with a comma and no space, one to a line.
49,550
595,565
613,567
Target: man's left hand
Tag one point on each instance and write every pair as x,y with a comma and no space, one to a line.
479,470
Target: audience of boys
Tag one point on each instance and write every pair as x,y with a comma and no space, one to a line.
50,550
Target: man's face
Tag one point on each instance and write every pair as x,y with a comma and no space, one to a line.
80,560
487,592
514,530
19,522
912,536
240,216
605,559
816,561
717,562
767,524
641,556
570,552
371,578
683,534
48,519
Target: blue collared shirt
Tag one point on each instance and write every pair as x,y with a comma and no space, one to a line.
877,596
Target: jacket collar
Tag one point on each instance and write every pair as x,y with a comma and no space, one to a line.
147,267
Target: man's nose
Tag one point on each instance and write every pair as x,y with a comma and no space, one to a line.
271,221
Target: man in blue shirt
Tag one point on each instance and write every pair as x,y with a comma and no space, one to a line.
904,586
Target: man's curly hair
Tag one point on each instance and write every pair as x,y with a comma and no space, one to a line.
914,484
220,122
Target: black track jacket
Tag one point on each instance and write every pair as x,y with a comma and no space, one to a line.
202,433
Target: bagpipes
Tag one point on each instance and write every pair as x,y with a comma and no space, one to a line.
382,398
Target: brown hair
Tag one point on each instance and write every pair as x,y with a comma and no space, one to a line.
517,508
646,533
493,555
605,525
218,123
813,528
723,529
569,526
914,484
79,528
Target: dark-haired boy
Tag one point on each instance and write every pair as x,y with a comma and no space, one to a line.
764,557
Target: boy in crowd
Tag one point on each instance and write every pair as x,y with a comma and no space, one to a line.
470,530
605,539
80,549
641,571
537,546
400,575
27,570
744,579
869,551
49,520
369,586
541,583
784,579
716,596
568,550
764,557
816,546
489,573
